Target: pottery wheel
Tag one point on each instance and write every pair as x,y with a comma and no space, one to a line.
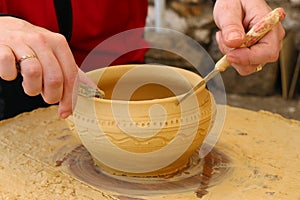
256,157
199,176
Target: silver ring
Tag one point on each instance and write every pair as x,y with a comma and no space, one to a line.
26,57
259,68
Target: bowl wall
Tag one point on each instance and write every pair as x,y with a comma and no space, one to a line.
139,129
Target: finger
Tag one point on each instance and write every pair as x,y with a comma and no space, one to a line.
30,69
254,11
228,16
71,81
262,52
223,48
52,91
246,70
8,69
69,72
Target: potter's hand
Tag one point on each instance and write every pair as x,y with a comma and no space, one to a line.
45,60
234,18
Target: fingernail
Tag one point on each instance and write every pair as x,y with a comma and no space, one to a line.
234,35
64,115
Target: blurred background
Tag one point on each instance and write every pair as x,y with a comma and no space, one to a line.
276,88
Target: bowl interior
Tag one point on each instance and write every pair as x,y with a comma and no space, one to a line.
143,82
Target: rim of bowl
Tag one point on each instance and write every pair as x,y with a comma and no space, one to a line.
147,101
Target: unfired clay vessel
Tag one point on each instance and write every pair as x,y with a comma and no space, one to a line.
139,129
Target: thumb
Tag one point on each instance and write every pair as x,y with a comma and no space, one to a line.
229,20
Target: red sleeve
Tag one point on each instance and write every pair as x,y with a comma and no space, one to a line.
106,18
93,22
3,6
37,12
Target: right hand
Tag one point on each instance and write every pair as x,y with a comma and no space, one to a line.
52,73
234,18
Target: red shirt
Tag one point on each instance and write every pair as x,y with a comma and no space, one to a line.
93,21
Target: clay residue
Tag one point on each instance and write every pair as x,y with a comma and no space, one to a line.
263,149
216,166
200,174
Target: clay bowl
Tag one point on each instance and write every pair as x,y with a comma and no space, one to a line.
139,129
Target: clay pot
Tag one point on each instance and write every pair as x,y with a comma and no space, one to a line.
139,129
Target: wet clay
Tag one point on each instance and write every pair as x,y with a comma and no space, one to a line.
199,176
261,148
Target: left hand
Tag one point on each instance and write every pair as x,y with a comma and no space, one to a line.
234,18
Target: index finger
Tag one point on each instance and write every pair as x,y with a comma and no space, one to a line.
69,70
